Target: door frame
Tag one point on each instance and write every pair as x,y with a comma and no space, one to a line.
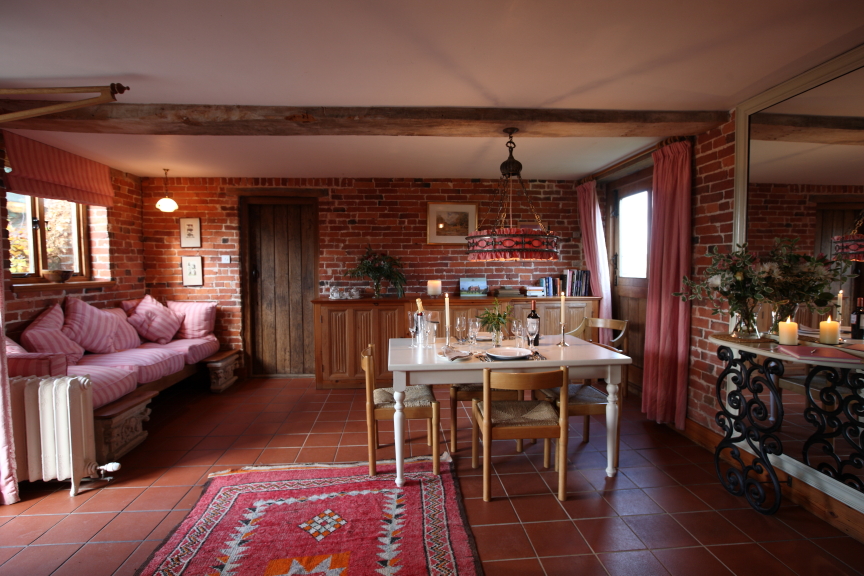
245,286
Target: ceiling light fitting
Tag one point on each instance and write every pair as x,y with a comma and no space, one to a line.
166,204
507,241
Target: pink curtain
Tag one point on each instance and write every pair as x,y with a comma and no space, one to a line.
594,249
47,172
667,323
8,480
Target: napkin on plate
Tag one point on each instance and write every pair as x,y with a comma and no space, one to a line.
453,354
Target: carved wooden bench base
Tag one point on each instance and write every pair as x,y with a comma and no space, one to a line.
118,426
221,366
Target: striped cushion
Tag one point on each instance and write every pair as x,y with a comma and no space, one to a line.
148,365
109,384
13,347
129,306
89,326
125,337
155,322
36,364
200,318
194,349
44,335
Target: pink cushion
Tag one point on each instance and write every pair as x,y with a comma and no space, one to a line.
13,347
44,335
89,326
109,384
36,364
125,337
148,365
129,306
200,318
194,349
155,322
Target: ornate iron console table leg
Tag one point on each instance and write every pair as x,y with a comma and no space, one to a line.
836,416
745,416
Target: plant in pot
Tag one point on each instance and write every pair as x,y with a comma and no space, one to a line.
734,279
377,267
495,321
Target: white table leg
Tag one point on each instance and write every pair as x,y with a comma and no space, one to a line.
613,379
399,383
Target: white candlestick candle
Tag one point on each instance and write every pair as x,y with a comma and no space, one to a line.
447,310
433,287
840,306
563,309
788,332
829,331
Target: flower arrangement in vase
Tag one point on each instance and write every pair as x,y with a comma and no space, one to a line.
377,267
495,321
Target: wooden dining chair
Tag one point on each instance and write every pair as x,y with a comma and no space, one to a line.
512,420
467,392
419,403
620,343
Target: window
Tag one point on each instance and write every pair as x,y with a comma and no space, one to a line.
46,234
633,236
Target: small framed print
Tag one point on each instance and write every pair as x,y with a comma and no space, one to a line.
190,232
449,222
193,270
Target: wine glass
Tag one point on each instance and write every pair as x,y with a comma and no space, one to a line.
532,327
431,329
412,327
460,329
516,331
473,330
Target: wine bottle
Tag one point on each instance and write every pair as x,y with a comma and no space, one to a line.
533,314
856,320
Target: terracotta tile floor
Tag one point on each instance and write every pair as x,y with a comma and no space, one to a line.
665,513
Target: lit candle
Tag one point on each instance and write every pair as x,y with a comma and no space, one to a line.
447,310
562,308
433,287
829,332
788,332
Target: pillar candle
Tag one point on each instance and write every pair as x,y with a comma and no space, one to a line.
433,287
788,332
829,332
563,309
447,310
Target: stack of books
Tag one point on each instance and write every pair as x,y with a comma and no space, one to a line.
534,292
510,291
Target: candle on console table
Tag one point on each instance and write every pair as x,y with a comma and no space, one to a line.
433,287
840,306
563,310
447,310
788,332
829,331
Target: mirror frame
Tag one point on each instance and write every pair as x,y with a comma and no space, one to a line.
843,64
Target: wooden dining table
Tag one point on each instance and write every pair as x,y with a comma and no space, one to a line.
426,366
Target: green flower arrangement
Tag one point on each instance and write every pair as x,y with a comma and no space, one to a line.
377,267
495,320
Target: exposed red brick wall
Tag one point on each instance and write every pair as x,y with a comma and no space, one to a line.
786,210
388,214
713,190
116,252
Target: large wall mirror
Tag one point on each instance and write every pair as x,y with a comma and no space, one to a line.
799,173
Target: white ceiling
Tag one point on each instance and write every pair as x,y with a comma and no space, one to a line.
626,54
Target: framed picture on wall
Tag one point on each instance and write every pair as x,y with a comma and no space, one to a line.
449,222
190,232
193,270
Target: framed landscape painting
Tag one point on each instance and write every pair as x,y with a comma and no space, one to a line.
450,222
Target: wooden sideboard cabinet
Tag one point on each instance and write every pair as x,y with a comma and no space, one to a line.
343,328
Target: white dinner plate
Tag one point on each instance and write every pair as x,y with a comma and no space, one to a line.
484,336
508,353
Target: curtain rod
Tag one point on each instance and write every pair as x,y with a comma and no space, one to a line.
632,159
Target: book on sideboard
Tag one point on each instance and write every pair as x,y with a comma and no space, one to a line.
571,282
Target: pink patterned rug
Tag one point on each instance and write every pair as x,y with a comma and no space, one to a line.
322,519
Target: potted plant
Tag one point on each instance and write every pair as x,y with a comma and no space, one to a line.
495,321
377,266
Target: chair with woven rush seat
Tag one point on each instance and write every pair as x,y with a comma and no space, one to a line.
419,403
515,419
459,392
620,344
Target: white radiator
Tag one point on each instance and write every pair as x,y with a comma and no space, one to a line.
52,423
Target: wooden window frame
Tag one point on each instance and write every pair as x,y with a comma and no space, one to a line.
37,208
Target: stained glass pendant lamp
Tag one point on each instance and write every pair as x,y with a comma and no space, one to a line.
506,240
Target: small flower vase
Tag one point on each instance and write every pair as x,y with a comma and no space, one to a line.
745,323
376,289
780,313
496,337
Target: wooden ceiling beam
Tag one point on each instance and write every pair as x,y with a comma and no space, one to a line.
219,120
847,130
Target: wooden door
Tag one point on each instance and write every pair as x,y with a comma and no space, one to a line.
281,279
629,290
